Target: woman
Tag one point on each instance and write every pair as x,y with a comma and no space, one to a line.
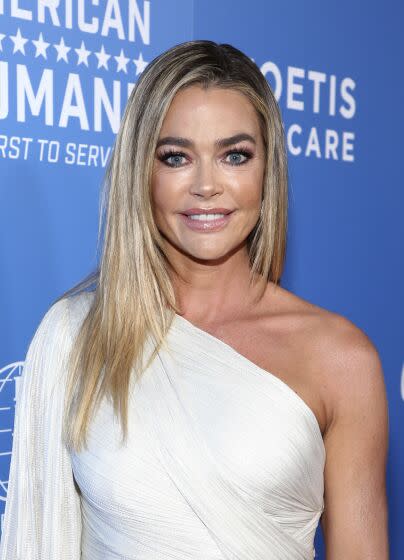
247,414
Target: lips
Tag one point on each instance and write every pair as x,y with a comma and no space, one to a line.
193,211
204,225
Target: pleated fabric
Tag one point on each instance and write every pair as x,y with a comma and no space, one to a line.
42,518
224,461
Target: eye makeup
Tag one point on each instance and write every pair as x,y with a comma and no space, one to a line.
168,153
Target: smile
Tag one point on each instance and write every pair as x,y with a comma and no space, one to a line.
206,222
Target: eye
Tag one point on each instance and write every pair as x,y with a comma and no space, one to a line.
172,155
236,154
173,158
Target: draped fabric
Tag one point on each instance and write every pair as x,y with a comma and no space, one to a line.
42,518
224,461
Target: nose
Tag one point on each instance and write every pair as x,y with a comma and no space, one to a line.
206,181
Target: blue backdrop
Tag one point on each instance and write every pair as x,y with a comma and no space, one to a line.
65,76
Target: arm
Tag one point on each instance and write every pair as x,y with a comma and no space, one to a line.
354,520
42,518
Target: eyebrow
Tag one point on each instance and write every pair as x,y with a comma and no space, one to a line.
220,143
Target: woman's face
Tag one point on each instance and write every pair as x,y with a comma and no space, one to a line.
210,155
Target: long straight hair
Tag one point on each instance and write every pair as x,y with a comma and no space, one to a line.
133,294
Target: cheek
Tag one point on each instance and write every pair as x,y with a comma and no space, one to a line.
157,193
163,190
167,193
248,190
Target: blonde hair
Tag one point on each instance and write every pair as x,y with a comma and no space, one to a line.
134,297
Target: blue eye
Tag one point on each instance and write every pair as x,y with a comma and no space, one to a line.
244,153
171,154
176,157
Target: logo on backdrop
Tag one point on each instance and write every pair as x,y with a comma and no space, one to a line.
319,96
9,378
66,71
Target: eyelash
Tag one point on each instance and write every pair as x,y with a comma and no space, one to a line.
170,152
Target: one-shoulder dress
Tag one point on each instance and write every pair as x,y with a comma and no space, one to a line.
224,461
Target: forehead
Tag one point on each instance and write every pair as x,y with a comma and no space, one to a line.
194,107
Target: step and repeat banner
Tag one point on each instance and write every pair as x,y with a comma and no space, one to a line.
67,68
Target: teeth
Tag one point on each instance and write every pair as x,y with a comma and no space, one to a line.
205,217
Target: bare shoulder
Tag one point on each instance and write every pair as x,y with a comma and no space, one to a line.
354,369
339,357
352,373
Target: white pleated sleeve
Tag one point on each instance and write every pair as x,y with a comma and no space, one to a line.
42,519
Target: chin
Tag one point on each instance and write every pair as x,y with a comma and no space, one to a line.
210,255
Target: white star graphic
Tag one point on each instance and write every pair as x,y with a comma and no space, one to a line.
83,54
122,62
1,38
103,58
140,64
62,50
19,42
40,46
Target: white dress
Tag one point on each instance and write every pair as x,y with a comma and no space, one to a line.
224,461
